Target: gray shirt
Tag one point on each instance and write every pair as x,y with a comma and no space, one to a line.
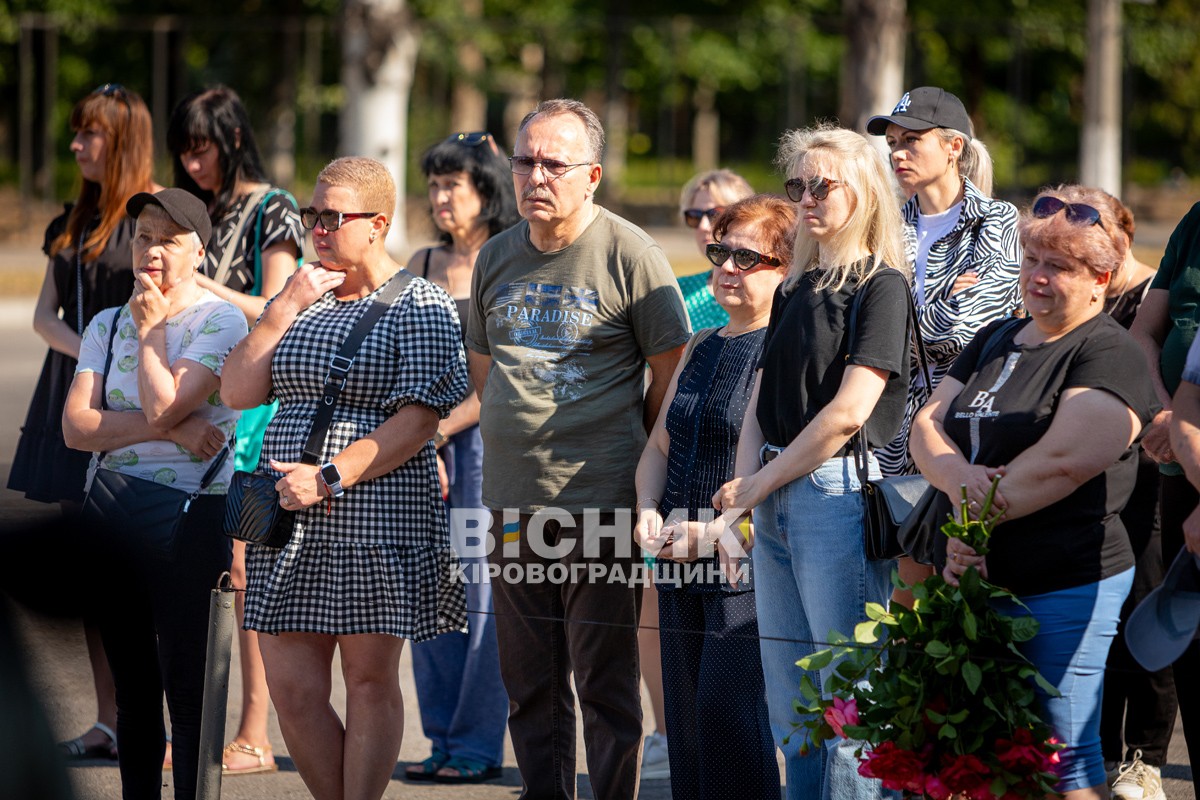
569,333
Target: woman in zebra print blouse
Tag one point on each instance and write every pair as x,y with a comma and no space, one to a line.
961,243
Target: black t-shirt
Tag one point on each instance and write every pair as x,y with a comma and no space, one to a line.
807,352
1008,401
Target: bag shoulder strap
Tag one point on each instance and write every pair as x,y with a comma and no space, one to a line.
696,338
252,201
256,250
218,459
340,364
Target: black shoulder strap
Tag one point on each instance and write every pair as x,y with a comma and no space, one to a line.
425,265
340,364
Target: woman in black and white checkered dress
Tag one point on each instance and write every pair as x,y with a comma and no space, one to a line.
369,568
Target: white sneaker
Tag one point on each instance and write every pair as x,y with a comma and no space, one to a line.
1138,781
655,764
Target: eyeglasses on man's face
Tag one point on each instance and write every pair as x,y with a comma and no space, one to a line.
330,219
523,165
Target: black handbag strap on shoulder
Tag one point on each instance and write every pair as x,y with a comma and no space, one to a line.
914,323
341,364
213,468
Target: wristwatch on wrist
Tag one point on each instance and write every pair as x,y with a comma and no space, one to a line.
332,479
439,438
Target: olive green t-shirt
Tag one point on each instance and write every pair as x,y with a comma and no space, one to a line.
569,333
1179,274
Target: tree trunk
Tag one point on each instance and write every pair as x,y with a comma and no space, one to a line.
281,146
873,61
468,103
1100,142
379,53
706,130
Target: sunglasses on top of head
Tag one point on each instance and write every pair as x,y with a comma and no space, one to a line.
1077,213
330,220
473,139
743,258
817,186
692,216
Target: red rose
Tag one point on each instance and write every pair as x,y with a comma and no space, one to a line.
900,770
966,774
1020,755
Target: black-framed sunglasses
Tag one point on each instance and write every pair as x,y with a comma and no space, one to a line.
523,165
817,186
330,220
473,139
119,92
692,216
743,258
1077,213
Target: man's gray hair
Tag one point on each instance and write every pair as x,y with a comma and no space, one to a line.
591,123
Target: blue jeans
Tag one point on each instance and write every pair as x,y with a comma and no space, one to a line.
811,576
1071,650
464,708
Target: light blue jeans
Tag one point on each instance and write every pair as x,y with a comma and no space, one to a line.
811,576
1077,627
464,708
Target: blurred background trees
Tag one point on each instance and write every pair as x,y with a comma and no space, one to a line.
680,85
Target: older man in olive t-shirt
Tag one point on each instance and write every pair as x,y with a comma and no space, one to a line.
567,309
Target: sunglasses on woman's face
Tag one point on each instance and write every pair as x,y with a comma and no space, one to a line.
330,220
1077,213
817,186
743,258
692,216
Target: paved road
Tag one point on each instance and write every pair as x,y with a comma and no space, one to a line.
58,658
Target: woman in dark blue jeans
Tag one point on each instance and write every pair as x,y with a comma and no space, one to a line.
464,708
712,673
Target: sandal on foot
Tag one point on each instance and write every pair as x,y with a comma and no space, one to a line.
76,750
466,770
259,753
427,769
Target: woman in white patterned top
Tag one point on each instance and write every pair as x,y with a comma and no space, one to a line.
961,243
155,412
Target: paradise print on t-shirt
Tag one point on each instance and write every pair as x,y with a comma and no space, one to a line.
555,322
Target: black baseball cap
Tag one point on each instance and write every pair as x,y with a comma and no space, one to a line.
183,207
922,109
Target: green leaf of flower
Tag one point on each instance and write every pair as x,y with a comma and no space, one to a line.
947,732
866,632
1023,628
972,676
817,661
937,649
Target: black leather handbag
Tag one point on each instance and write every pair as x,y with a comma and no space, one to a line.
887,502
252,510
124,503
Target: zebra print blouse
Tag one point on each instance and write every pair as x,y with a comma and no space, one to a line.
983,241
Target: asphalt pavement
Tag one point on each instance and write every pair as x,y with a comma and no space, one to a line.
55,650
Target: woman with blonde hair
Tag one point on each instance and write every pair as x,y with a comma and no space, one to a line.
369,563
834,366
1054,404
702,200
89,250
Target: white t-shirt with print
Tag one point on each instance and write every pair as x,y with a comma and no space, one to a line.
930,228
204,332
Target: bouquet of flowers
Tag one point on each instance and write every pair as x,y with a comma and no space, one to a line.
939,694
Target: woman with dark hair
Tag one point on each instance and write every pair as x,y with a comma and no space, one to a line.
464,708
712,673
1054,404
255,246
89,250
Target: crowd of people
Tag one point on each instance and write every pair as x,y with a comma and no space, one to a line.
652,476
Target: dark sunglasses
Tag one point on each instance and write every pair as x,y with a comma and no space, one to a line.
692,216
743,258
330,220
817,186
1077,213
473,139
119,92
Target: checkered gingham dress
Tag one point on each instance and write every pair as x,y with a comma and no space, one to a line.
382,561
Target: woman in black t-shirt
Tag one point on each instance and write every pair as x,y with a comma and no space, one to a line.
818,385
1053,403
